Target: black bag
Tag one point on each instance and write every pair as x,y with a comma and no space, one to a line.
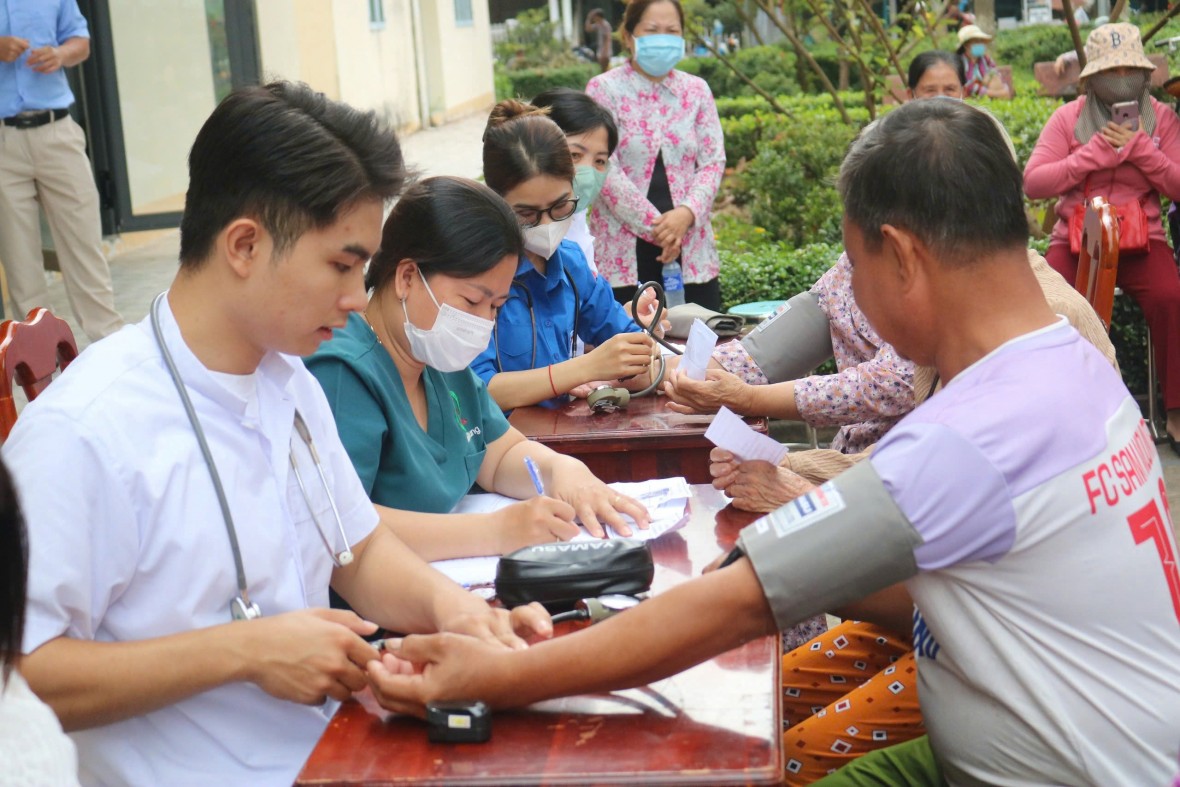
558,575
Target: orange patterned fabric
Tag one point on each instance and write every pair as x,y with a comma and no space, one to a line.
849,691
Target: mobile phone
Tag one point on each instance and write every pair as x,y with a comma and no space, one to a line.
1126,113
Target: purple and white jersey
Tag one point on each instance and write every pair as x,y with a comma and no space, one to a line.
1048,630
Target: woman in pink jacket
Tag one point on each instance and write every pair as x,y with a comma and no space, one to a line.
658,196
1083,152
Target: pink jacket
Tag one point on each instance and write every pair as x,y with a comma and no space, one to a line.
679,117
1143,169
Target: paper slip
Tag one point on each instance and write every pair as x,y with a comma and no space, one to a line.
698,350
470,572
666,501
730,432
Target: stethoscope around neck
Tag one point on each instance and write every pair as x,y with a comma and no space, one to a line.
241,607
519,284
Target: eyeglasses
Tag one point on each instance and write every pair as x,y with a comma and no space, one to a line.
559,211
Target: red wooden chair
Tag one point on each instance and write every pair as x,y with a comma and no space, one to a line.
1098,264
30,353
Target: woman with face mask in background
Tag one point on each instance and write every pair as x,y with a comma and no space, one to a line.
1083,152
980,73
419,427
554,296
658,197
592,136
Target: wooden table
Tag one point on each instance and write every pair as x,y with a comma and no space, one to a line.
717,723
641,442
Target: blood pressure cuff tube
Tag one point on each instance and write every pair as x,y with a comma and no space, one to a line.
790,344
836,544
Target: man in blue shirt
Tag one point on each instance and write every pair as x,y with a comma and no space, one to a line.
43,157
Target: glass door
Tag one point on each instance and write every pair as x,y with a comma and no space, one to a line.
157,69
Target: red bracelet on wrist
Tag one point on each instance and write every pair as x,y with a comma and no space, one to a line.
551,385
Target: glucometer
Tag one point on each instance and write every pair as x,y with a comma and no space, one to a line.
458,722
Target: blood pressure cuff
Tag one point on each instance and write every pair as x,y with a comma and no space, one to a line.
681,319
793,342
559,575
836,544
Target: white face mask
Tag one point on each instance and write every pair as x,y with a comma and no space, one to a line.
456,339
544,239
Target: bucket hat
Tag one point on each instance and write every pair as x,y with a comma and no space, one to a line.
1114,46
972,33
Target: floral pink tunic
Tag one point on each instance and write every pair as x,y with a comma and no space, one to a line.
678,118
873,387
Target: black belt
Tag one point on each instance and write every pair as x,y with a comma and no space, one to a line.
35,119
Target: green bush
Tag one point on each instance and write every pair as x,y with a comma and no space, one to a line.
1022,47
772,68
790,184
532,43
1128,334
528,82
1024,116
771,270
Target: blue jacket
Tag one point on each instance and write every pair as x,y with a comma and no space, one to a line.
550,328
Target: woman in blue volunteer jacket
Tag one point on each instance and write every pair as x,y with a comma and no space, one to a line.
554,297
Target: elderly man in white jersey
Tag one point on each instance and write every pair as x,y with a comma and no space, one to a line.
1022,505
183,531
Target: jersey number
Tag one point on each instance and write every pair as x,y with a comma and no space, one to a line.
1148,525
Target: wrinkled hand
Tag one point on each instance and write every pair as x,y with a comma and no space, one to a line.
12,48
755,485
622,355
535,521
500,627
438,667
718,389
308,655
1117,135
595,502
45,60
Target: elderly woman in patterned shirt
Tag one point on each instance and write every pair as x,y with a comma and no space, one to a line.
767,373
658,196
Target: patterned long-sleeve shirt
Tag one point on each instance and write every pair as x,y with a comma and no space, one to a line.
676,117
873,385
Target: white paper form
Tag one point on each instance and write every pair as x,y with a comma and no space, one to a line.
730,432
698,350
666,501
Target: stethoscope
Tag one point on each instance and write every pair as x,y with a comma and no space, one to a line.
242,608
605,398
528,299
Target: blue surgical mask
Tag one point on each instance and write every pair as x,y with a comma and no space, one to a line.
658,54
588,183
977,50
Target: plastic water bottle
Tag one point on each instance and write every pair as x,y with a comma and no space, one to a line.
673,283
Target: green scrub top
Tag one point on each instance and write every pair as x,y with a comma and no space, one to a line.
400,465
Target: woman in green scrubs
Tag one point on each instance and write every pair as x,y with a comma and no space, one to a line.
418,424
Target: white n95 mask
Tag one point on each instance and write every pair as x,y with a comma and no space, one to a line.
544,239
455,340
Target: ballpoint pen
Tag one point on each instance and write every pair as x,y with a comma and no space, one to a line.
535,473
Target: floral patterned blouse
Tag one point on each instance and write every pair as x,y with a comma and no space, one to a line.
677,117
873,387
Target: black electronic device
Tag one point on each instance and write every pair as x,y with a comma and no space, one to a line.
458,722
559,575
